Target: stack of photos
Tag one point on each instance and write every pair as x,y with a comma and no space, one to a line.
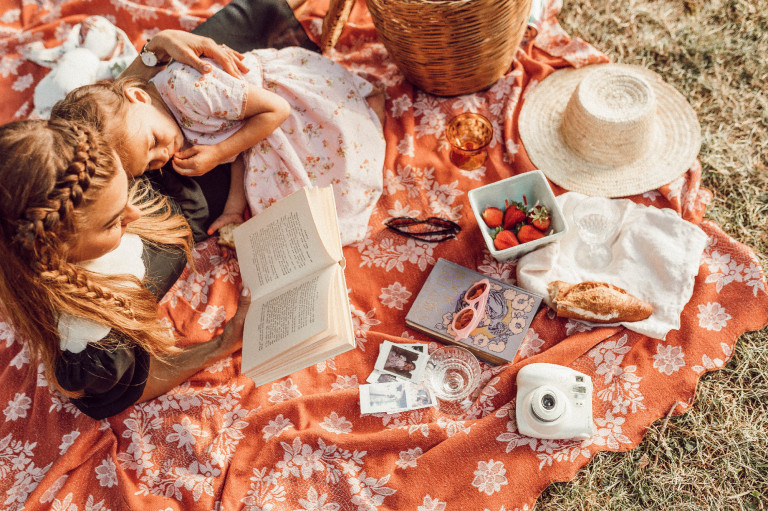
395,385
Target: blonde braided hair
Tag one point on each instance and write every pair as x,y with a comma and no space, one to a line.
101,105
40,218
50,172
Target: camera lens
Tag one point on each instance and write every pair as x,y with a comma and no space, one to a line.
547,404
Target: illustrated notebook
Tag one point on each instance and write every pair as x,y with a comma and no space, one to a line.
498,336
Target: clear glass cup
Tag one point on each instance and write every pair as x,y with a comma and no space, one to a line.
596,220
452,374
469,135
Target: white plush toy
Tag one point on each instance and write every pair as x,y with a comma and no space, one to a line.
94,50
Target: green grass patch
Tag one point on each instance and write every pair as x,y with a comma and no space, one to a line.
715,456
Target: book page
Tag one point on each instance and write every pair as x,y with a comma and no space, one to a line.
288,317
288,241
337,339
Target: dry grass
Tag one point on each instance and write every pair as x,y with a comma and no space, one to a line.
715,457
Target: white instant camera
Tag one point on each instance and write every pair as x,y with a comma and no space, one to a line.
554,402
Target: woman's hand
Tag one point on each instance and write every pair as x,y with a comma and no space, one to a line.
231,339
188,48
170,372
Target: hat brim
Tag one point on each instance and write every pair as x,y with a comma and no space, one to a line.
672,151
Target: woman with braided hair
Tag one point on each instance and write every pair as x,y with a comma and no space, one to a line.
82,264
74,241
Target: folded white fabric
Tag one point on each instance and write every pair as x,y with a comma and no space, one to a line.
656,257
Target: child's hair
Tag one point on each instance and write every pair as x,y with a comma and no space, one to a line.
101,105
49,172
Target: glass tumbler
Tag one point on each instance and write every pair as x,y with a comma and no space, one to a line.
469,135
453,375
597,220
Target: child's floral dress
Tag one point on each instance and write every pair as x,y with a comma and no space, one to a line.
332,136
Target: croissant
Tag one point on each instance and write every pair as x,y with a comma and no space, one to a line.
597,302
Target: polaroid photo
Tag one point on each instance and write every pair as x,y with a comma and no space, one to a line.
383,397
394,397
403,362
419,396
421,348
379,377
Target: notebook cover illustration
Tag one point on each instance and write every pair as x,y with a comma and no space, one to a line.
497,338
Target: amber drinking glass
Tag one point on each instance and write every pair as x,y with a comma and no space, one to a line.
469,135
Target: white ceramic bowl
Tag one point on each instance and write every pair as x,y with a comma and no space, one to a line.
534,186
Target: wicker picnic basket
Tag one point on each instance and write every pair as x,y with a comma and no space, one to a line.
451,47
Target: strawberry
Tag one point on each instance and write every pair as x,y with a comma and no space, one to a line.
492,217
529,233
539,217
513,215
505,239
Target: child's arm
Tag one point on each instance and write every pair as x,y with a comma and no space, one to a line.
236,202
264,112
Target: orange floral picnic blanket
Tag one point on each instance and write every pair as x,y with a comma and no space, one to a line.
216,442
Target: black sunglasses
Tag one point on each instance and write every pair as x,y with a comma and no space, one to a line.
433,229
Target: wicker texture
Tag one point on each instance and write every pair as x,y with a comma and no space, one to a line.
451,47
334,21
609,129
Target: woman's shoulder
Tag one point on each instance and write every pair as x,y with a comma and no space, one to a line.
98,366
107,379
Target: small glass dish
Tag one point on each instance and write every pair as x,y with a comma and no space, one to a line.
453,374
469,135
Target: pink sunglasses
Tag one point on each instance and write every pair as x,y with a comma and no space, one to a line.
469,317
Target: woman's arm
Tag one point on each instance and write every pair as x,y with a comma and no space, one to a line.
187,48
169,373
264,112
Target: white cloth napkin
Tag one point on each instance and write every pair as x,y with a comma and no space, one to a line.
656,257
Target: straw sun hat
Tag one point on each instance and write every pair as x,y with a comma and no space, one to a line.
609,129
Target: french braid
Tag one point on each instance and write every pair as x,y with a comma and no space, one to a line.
70,279
40,222
39,219
50,171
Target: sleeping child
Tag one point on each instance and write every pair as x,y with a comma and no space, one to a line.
294,119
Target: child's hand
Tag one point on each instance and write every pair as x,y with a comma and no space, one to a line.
225,225
224,219
196,160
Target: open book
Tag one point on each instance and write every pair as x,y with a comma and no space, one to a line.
291,259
